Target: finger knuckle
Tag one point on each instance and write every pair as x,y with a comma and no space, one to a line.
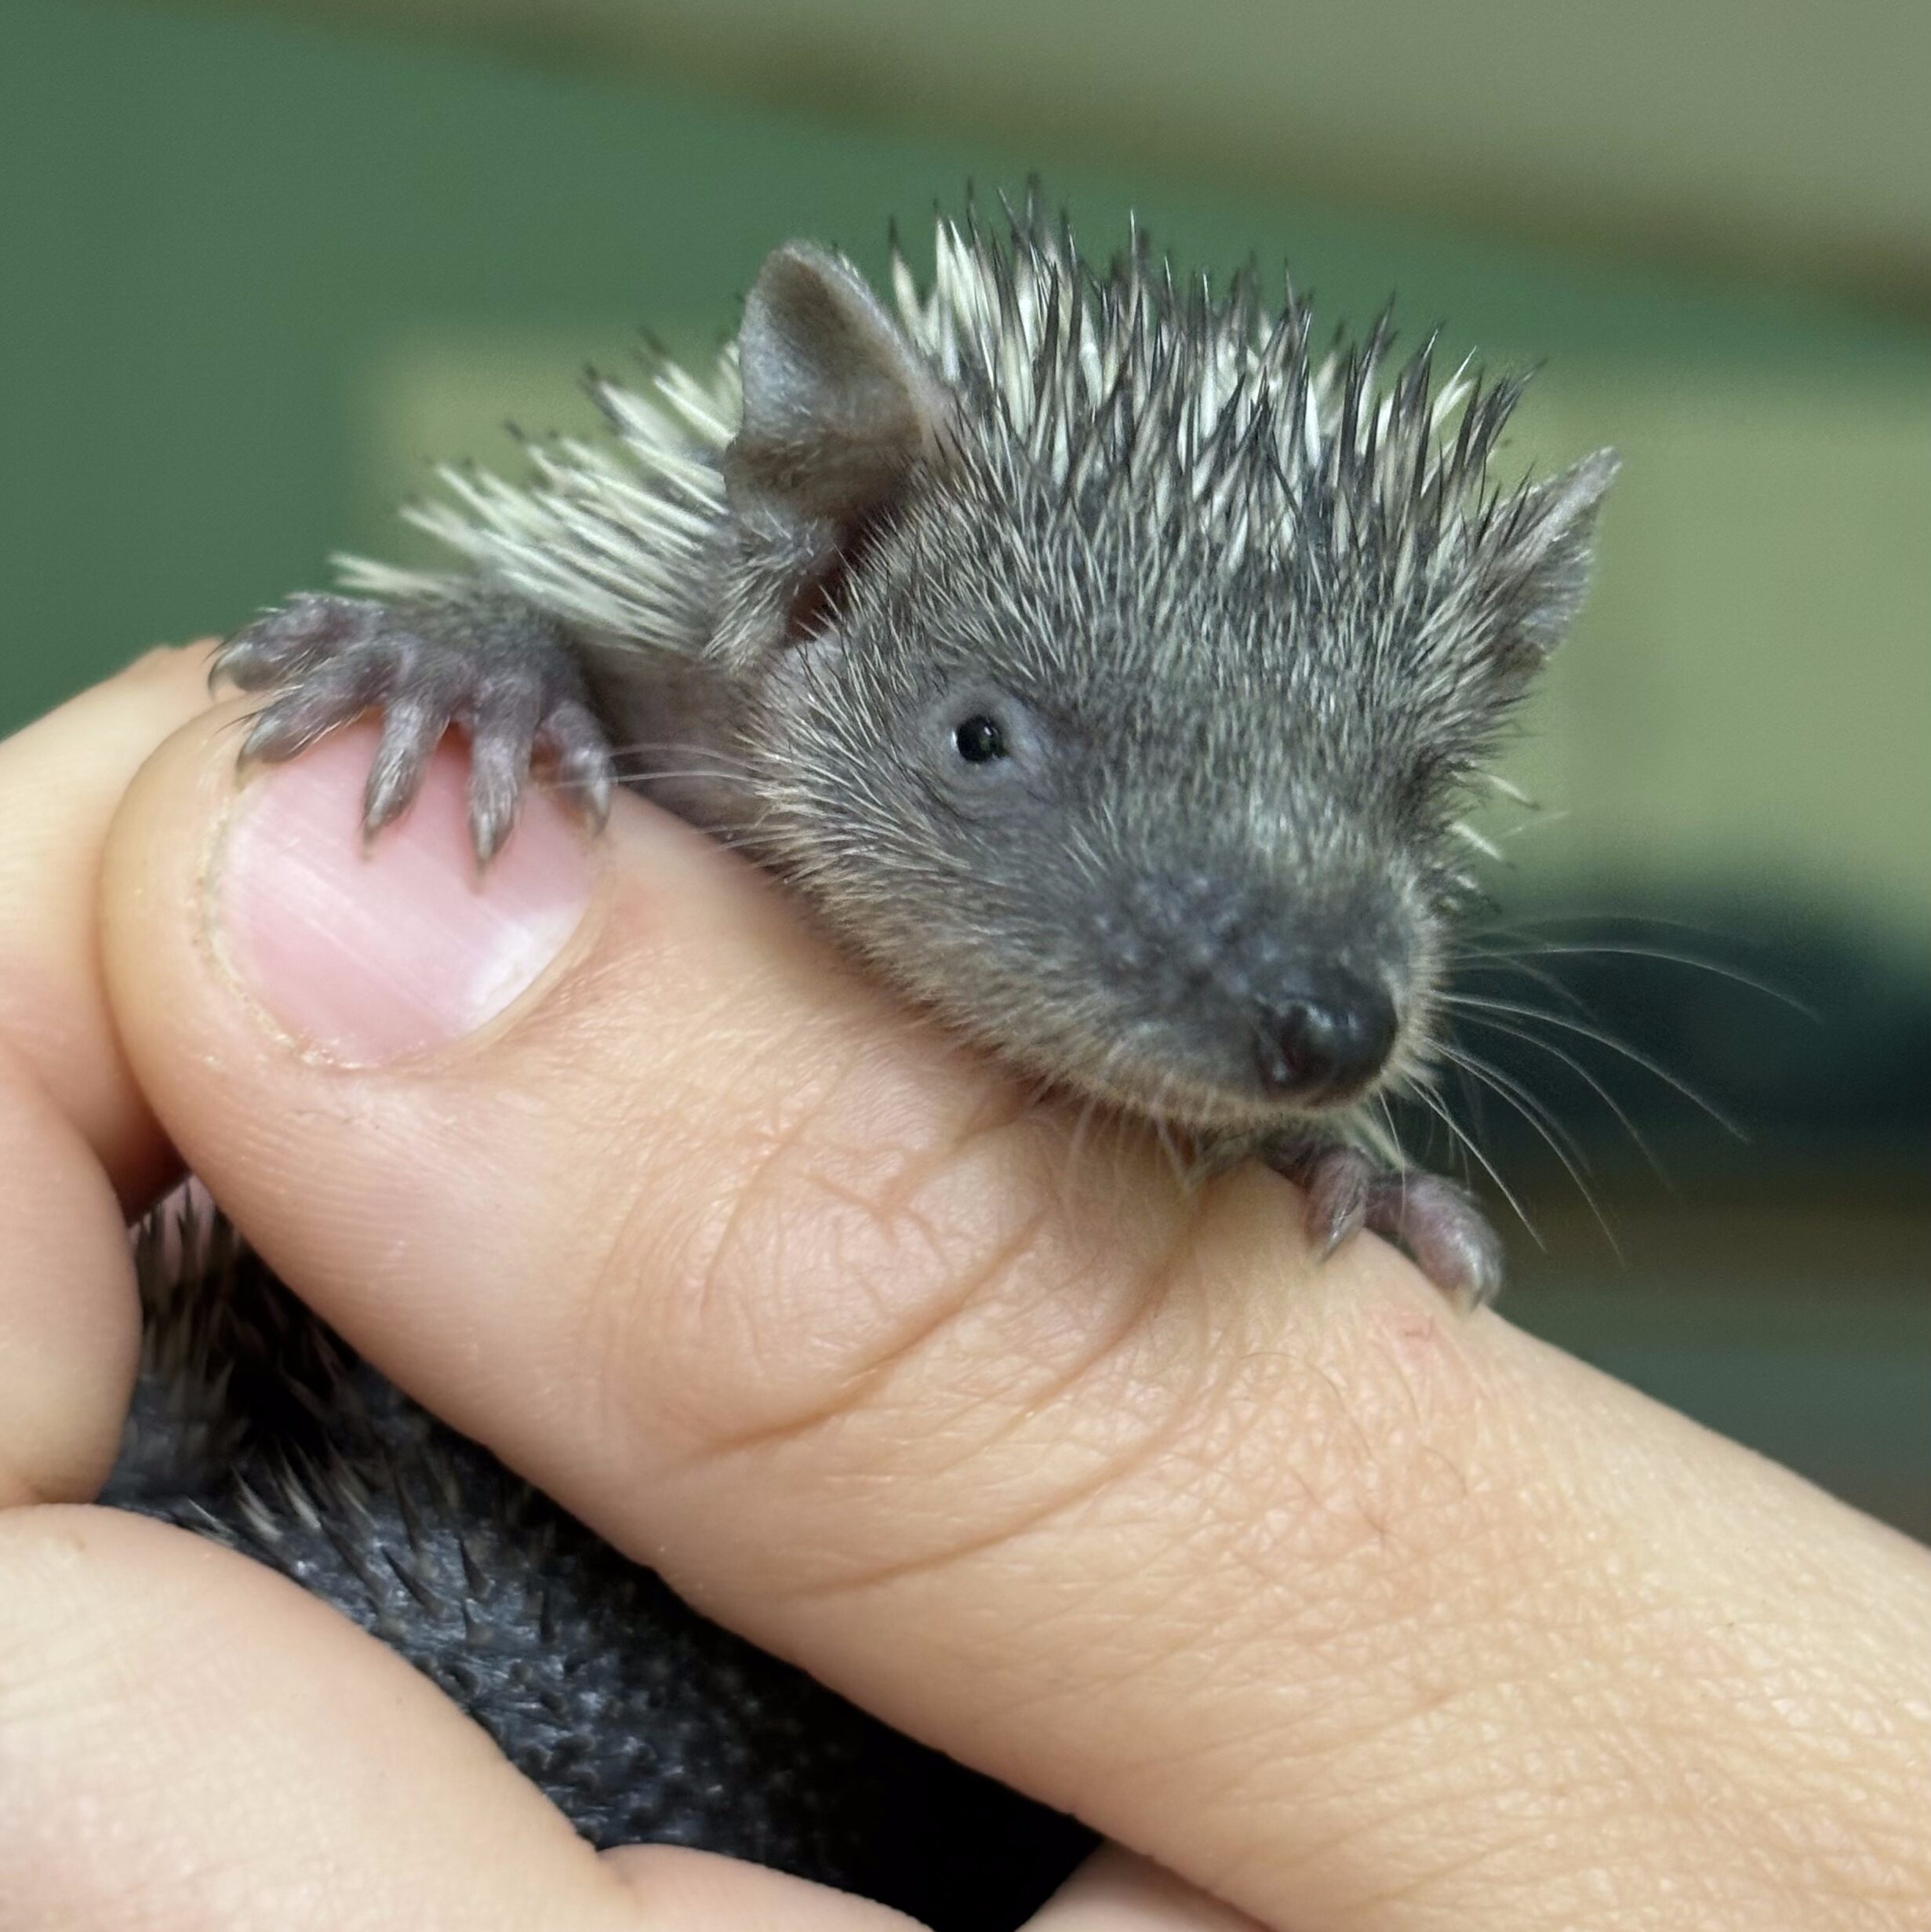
839,1239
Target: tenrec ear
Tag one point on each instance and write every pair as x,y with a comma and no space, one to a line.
1546,567
839,407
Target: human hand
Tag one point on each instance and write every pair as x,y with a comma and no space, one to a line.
1355,1617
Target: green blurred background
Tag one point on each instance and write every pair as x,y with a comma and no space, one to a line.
263,262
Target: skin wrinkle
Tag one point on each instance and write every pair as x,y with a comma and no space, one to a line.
1181,1413
863,1387
1089,1485
1088,1600
911,1173
1195,1483
760,1210
611,1320
761,1187
1153,1294
883,1212
1237,1766
638,1151
989,1107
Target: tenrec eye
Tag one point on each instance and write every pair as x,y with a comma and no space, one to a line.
978,740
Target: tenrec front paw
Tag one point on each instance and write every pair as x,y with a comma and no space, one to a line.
1439,1226
496,672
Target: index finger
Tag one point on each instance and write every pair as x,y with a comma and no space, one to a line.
75,1130
61,779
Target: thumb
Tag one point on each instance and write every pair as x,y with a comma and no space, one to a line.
603,1152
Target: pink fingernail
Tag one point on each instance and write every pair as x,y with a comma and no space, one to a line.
366,954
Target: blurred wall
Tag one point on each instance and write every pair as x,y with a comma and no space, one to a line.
1775,138
259,271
